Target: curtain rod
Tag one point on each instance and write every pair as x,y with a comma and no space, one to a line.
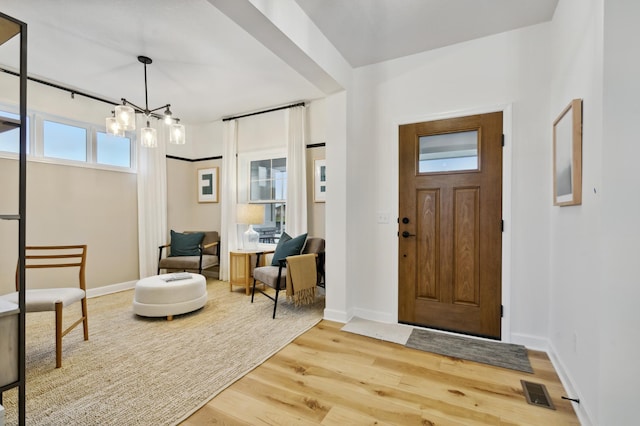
72,91
262,112
57,86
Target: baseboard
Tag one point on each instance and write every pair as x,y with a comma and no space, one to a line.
335,315
376,316
108,289
535,343
582,411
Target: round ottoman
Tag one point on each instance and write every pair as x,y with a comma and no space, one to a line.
157,297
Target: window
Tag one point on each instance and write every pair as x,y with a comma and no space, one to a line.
268,181
449,152
64,141
60,140
268,186
10,139
113,150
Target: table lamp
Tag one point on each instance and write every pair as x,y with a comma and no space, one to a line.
250,214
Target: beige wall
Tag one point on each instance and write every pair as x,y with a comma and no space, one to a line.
184,212
73,205
315,211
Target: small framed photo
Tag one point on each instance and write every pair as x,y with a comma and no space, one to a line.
320,181
208,185
567,156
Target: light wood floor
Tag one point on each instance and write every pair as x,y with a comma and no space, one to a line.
331,377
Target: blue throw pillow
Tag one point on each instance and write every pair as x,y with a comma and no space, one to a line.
291,247
185,244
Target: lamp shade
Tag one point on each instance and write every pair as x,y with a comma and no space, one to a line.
176,134
148,137
113,128
250,214
126,117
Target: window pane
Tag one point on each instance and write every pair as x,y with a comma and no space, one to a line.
449,152
113,150
10,139
260,170
261,190
64,141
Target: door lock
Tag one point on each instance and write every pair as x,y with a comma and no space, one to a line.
406,234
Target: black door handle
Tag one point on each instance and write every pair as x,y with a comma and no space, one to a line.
406,234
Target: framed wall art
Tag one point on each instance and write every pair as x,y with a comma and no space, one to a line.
567,156
320,181
208,185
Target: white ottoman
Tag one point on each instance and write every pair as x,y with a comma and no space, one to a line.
155,297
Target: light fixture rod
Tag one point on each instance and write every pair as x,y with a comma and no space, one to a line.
145,60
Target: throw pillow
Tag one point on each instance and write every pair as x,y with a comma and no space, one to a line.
185,244
290,247
283,239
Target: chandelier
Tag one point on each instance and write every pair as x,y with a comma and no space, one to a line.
124,118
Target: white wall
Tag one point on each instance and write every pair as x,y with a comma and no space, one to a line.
576,231
619,285
509,68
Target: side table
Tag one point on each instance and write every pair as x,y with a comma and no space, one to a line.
241,264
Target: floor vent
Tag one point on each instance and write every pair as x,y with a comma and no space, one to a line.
537,394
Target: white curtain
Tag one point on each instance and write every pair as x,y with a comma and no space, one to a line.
229,196
152,197
296,212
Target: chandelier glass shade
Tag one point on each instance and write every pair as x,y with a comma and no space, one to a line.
124,118
113,128
148,137
176,134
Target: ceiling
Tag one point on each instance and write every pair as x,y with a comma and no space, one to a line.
208,67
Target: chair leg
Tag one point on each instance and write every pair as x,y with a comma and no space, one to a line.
58,334
85,319
253,292
275,304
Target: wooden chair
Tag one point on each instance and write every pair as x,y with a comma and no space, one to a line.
207,257
276,276
40,299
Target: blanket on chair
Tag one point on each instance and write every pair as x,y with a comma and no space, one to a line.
301,279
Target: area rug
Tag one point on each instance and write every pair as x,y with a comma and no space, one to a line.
499,354
150,371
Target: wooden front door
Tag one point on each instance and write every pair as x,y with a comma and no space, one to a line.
450,224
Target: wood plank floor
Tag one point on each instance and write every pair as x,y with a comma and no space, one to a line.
330,377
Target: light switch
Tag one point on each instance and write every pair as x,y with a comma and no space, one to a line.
383,217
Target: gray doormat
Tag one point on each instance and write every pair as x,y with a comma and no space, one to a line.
500,354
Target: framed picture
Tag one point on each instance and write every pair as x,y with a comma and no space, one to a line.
208,185
320,181
567,156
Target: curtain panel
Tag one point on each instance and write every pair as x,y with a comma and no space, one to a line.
296,212
152,197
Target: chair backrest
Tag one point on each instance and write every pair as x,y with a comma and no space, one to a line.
209,237
68,256
313,245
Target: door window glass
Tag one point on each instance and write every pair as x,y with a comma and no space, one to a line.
448,152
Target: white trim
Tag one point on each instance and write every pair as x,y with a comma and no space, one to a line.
507,161
337,316
377,316
581,410
108,289
535,343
